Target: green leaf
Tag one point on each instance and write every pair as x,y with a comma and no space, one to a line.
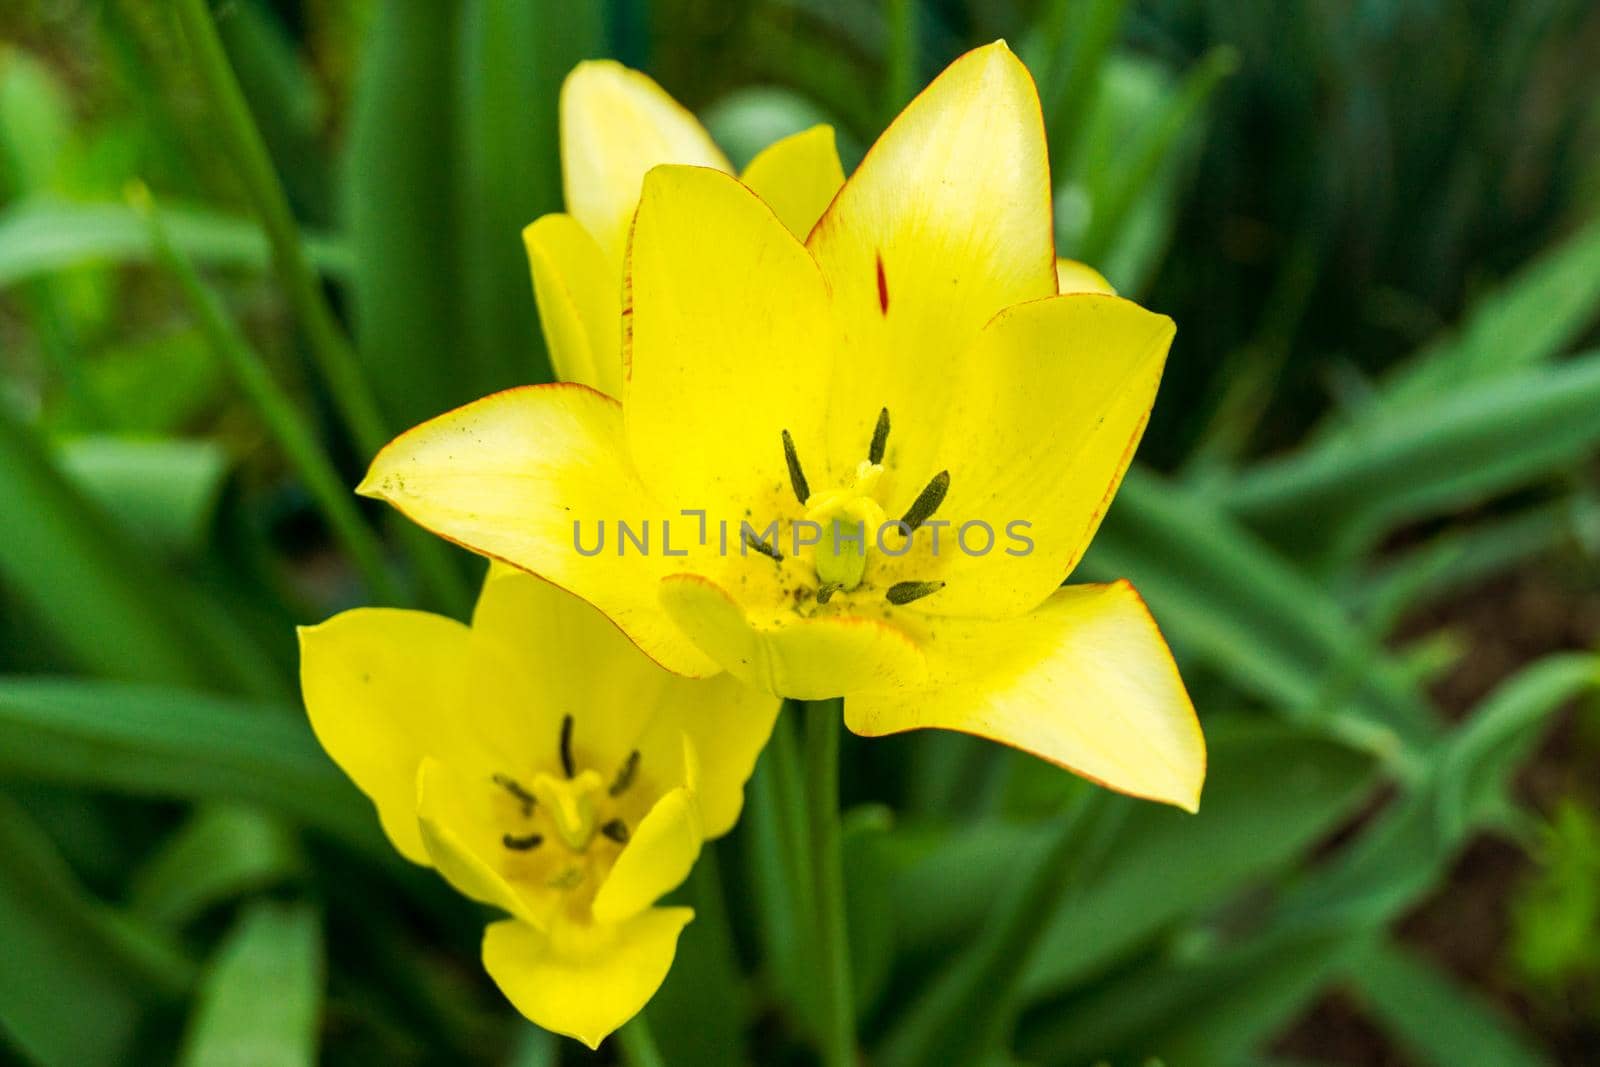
515,54
41,236
1226,597
78,975
164,492
221,853
1484,754
260,1003
1459,448
98,596
1530,319
1434,1018
1271,794
400,203
1212,1008
170,743
749,119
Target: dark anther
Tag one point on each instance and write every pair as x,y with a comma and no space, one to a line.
617,830
880,437
566,748
906,592
512,786
797,477
522,844
762,547
624,778
826,590
927,501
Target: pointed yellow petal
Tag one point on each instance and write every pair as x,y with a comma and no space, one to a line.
625,703
583,983
798,177
806,659
1075,277
1050,405
946,221
385,688
728,344
517,476
459,830
1086,682
580,302
615,125
655,861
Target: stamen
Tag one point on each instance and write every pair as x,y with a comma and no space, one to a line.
624,778
762,547
617,830
522,844
826,590
566,748
880,437
512,786
906,592
797,477
928,501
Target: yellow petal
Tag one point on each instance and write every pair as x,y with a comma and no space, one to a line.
583,983
1049,407
656,860
1075,277
624,703
580,302
1086,682
513,475
798,177
458,829
728,343
385,688
806,659
615,125
946,221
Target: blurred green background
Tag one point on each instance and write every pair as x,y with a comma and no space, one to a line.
1366,515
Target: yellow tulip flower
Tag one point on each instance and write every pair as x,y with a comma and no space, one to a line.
542,765
915,358
617,124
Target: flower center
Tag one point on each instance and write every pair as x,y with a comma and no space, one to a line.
564,830
852,520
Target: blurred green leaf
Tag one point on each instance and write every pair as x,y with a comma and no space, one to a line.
148,386
221,853
98,595
40,236
1210,1009
285,97
514,55
1228,598
260,1002
164,492
171,743
1434,1018
1476,768
1454,450
701,1013
78,975
1271,794
1555,912
749,119
400,203
1530,319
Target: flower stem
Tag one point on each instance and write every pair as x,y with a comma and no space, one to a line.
823,721
639,1044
